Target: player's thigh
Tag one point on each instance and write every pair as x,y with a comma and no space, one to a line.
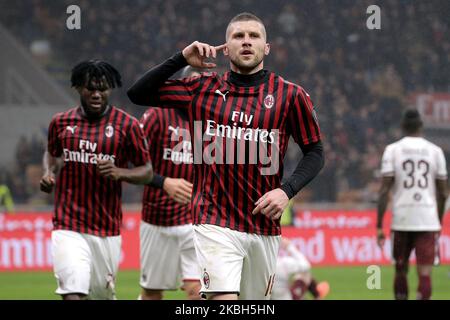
160,256
189,267
105,264
259,268
427,248
402,245
220,253
71,262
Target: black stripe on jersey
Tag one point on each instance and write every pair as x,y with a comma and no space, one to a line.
238,197
93,187
248,106
71,177
223,197
213,180
105,188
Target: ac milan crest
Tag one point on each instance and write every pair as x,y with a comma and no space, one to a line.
109,131
269,101
206,279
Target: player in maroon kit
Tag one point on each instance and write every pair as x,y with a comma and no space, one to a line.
166,228
238,121
89,148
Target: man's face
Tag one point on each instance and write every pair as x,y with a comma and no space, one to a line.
94,96
246,46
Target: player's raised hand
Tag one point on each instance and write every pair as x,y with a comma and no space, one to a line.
197,53
179,190
47,182
380,238
107,169
272,204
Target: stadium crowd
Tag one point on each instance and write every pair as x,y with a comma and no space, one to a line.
359,79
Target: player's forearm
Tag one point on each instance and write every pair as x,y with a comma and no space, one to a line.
381,208
441,197
144,90
49,164
137,175
308,167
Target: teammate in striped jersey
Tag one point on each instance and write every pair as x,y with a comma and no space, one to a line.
166,227
240,123
416,171
89,148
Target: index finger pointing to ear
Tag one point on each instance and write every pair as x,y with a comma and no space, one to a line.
221,47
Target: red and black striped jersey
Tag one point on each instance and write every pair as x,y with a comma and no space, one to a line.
85,201
240,135
168,136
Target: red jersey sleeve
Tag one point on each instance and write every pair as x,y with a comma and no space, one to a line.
302,119
137,146
54,146
150,124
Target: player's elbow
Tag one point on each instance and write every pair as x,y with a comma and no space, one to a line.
147,176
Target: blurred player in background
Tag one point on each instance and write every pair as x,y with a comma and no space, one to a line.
166,234
89,148
293,278
416,171
238,199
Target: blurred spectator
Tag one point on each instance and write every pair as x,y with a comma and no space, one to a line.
6,200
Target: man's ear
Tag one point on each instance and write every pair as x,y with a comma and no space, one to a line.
78,88
225,51
267,49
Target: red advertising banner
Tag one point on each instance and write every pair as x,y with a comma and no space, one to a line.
434,108
25,241
330,237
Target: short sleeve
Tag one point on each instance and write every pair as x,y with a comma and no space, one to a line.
387,162
54,146
441,166
151,126
178,93
302,119
138,152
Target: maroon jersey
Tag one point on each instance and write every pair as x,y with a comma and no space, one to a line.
234,130
85,201
167,132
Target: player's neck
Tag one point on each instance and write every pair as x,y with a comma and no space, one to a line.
248,80
414,135
94,116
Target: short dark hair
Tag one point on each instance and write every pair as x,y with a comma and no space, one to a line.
86,71
411,121
246,16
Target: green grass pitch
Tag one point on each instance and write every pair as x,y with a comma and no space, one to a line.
346,283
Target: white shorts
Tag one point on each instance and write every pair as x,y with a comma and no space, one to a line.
167,256
85,264
236,262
